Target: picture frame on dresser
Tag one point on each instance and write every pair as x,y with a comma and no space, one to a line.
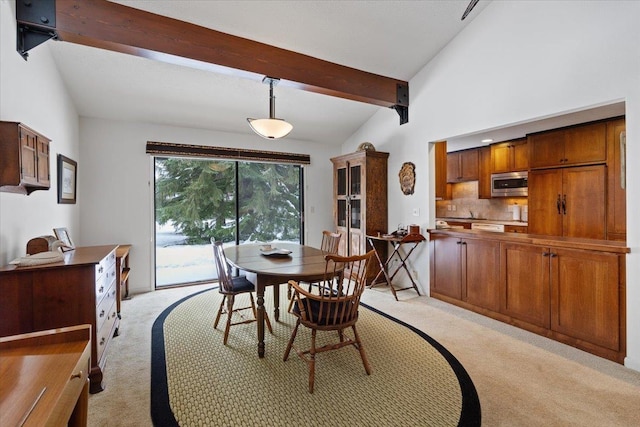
67,180
62,234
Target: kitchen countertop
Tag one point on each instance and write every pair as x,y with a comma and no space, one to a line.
483,221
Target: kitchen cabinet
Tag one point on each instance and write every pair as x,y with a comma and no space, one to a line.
524,283
462,166
569,290
466,269
443,191
484,172
585,296
568,202
616,181
24,159
360,201
510,156
583,144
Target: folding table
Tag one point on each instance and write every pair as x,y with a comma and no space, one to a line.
397,241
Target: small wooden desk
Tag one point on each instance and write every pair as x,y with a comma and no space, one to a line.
304,263
45,377
397,242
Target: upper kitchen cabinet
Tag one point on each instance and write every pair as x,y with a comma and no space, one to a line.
24,159
443,191
484,172
616,181
568,202
576,145
510,156
462,165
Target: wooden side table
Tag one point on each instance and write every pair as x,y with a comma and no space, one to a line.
397,242
122,272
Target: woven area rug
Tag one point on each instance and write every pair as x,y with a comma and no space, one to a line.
197,381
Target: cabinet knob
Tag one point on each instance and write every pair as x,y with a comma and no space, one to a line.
78,375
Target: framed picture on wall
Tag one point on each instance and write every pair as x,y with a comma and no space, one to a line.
67,175
63,235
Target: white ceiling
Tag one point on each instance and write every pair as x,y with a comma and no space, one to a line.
392,38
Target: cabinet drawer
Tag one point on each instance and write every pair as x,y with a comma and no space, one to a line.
105,264
102,311
68,398
104,334
104,282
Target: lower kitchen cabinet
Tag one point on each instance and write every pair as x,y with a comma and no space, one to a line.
569,290
524,283
466,269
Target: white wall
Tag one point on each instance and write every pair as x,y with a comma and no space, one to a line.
117,190
32,92
519,61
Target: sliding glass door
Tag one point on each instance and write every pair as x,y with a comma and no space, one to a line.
234,202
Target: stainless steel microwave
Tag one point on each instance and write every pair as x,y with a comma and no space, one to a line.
510,184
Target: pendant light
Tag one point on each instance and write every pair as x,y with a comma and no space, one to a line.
271,128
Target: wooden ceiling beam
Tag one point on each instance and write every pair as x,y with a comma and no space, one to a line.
112,26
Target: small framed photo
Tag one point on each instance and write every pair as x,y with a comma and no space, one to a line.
63,235
67,175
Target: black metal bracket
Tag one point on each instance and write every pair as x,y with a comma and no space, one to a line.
36,21
402,107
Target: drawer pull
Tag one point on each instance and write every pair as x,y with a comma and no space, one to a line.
101,289
102,313
78,375
102,341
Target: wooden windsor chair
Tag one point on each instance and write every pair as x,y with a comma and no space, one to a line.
230,287
333,308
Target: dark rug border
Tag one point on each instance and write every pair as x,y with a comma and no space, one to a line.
162,416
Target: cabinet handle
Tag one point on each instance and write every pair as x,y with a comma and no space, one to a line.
545,253
101,289
564,204
102,341
100,270
78,375
102,313
558,203
552,255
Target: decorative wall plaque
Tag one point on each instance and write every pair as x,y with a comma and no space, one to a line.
407,177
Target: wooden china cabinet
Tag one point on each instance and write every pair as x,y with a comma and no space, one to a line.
360,200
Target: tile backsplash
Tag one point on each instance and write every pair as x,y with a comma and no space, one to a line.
464,199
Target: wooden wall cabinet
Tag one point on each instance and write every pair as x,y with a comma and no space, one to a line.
569,290
616,181
577,145
360,201
443,191
24,159
510,156
568,202
79,290
462,166
484,172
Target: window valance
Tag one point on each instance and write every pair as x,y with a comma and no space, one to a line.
187,150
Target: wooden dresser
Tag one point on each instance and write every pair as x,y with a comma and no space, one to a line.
44,377
80,290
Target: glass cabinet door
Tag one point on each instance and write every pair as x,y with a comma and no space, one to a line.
355,213
341,188
354,175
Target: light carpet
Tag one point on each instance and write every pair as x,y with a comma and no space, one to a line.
196,380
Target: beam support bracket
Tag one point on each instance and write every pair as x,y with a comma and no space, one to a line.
36,24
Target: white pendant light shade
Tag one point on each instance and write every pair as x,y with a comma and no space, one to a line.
271,128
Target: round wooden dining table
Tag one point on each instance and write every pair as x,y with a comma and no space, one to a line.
304,263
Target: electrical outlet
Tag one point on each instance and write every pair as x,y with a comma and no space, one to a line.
448,207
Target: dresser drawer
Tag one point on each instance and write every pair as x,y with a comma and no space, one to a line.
105,264
73,388
102,311
103,335
104,282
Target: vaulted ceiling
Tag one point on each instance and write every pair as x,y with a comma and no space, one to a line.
391,38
